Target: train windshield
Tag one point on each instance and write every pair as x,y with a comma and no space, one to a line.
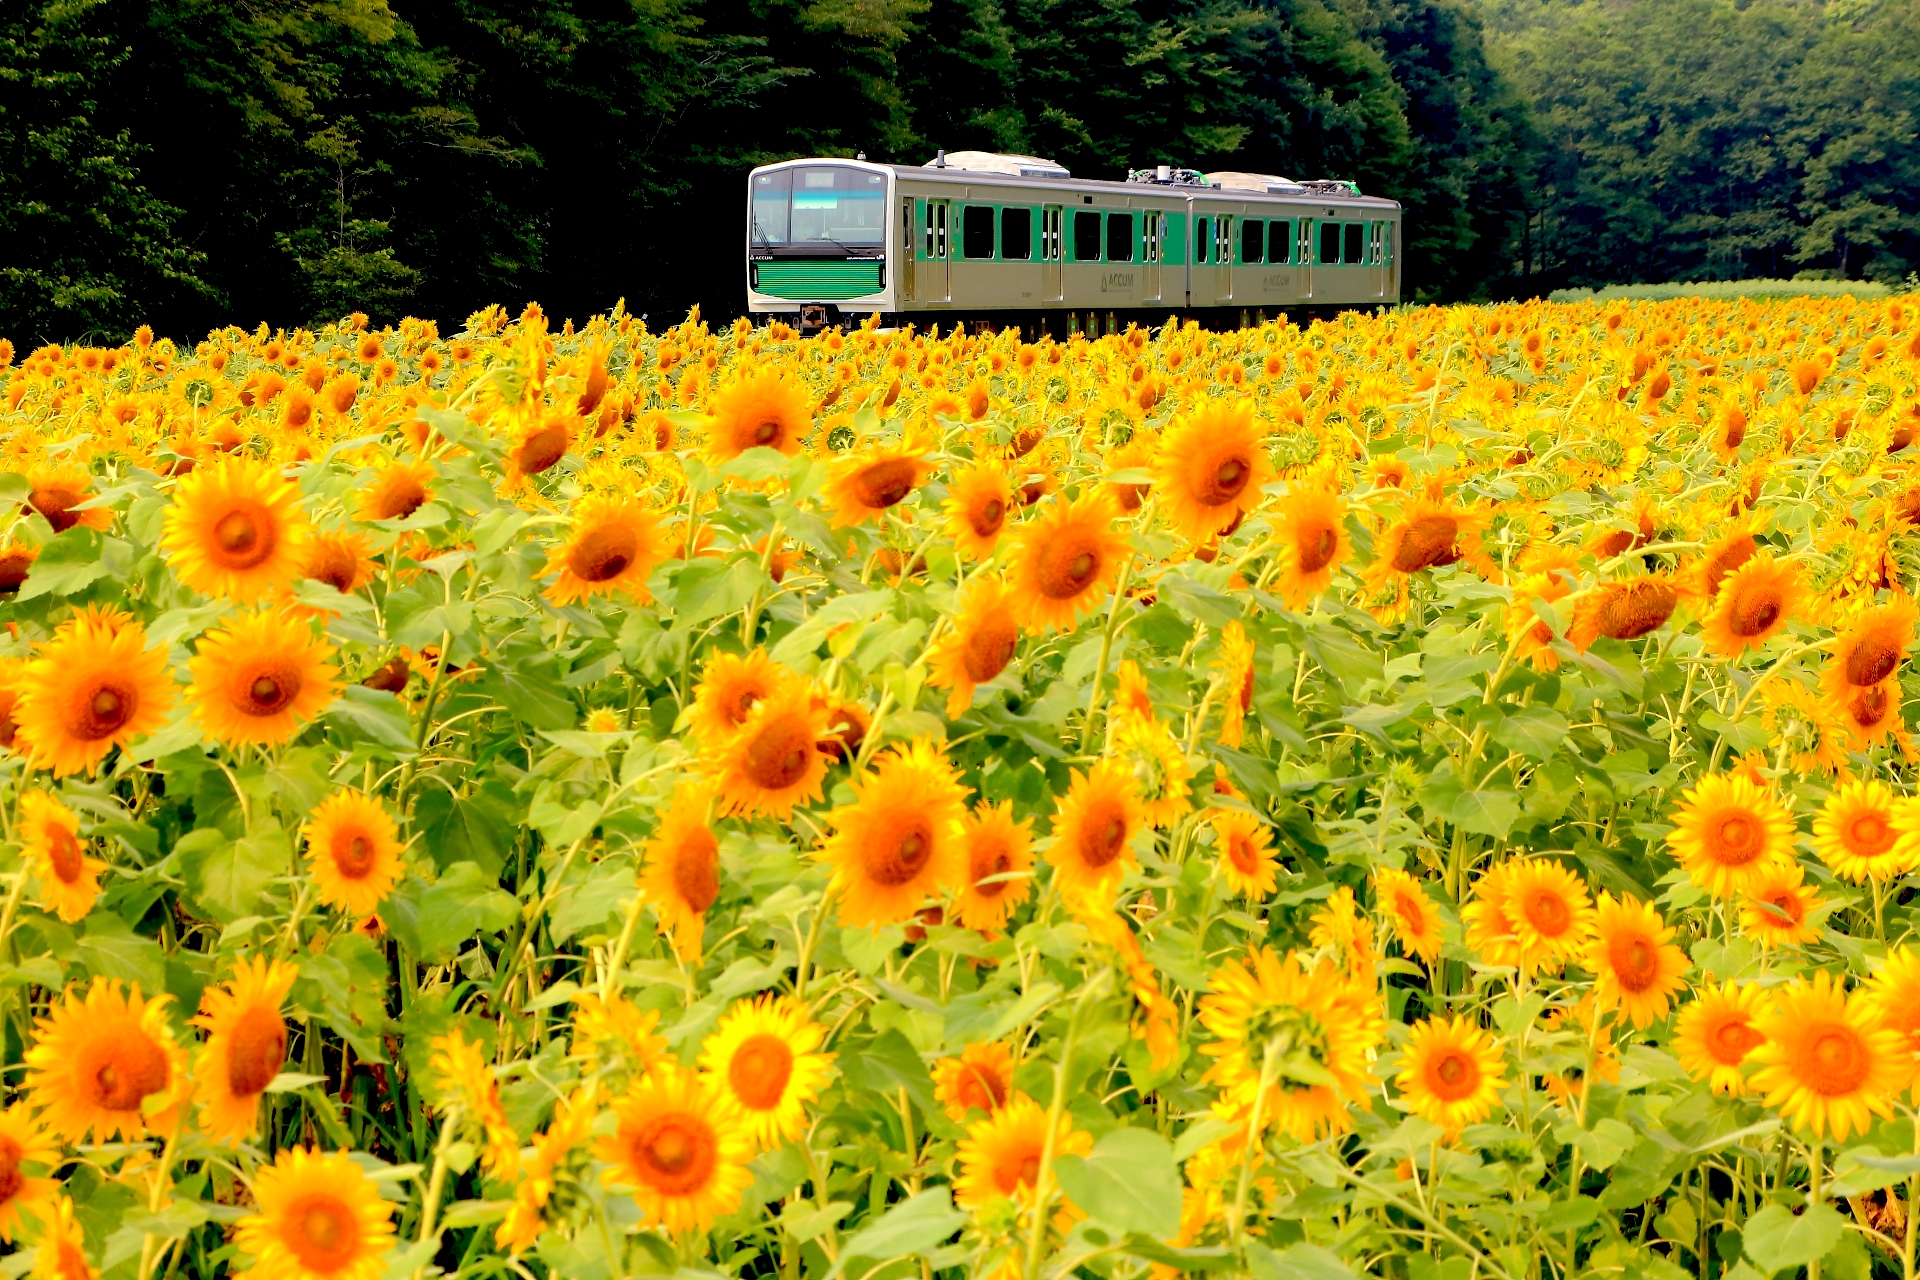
824,205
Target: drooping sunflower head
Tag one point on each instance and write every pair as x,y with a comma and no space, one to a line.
344,561
1068,556
899,842
680,1147
731,685
397,491
1727,831
999,855
27,1150
865,483
1623,610
105,1063
1211,467
319,1218
261,678
978,647
1451,1073
1234,668
1147,749
55,492
539,442
980,501
682,874
245,1048
353,851
762,1055
1870,649
614,546
236,529
1754,603
766,409
50,838
92,689
773,762
1093,829
1314,544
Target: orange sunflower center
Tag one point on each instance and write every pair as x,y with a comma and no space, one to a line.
768,431
990,647
56,504
299,413
101,706
696,870
256,1052
400,497
778,755
1222,478
987,863
1548,913
542,449
1735,839
1068,565
243,536
1454,1075
1245,858
1835,1060
1869,707
1869,834
15,564
335,566
322,1233
1428,541
1412,918
986,517
63,854
1635,961
1103,834
1316,546
604,553
674,1154
119,1067
760,1069
353,853
1754,611
11,1179
897,858
884,483
1872,660
1642,607
267,690
982,1087
1732,1040
1791,910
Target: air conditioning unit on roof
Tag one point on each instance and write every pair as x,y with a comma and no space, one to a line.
997,162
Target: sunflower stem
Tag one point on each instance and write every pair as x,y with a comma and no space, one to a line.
1056,1109
1106,652
1269,1072
436,1183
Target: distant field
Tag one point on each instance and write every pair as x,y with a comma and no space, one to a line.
1728,289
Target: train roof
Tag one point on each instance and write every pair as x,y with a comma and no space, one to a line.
1031,172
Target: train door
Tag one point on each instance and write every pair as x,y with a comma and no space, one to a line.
905,273
938,285
1303,254
1052,251
1155,232
1377,256
1223,257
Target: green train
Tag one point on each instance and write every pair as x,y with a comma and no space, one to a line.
1009,239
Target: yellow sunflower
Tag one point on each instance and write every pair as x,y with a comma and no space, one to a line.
980,1079
1829,1064
1777,907
396,491
865,484
1551,915
246,1046
978,646
1066,561
320,1217
1000,1156
1093,830
682,874
615,545
899,842
1754,603
1893,993
344,561
1211,467
1622,610
681,1147
1414,916
1869,651
1245,855
24,1145
1717,1031
1873,713
50,839
1451,1073
261,678
1312,531
1637,967
549,1166
773,762
235,529
764,409
54,494
1490,931
91,689
1147,749
763,1056
979,501
62,1251
1727,831
995,846
1864,832
730,685
104,1064
353,850
1234,670
539,442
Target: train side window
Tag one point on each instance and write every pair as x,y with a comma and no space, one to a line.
1279,243
976,231
1330,243
1253,241
1119,237
1200,234
1356,246
1016,234
1086,236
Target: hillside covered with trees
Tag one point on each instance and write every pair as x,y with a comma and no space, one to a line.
187,162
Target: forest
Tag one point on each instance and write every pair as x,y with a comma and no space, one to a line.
188,162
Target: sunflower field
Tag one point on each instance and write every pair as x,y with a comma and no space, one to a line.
1423,795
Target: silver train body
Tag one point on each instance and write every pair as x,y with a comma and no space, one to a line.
980,236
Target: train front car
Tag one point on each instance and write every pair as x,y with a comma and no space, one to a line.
817,237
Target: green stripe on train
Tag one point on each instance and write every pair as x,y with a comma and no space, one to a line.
818,281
